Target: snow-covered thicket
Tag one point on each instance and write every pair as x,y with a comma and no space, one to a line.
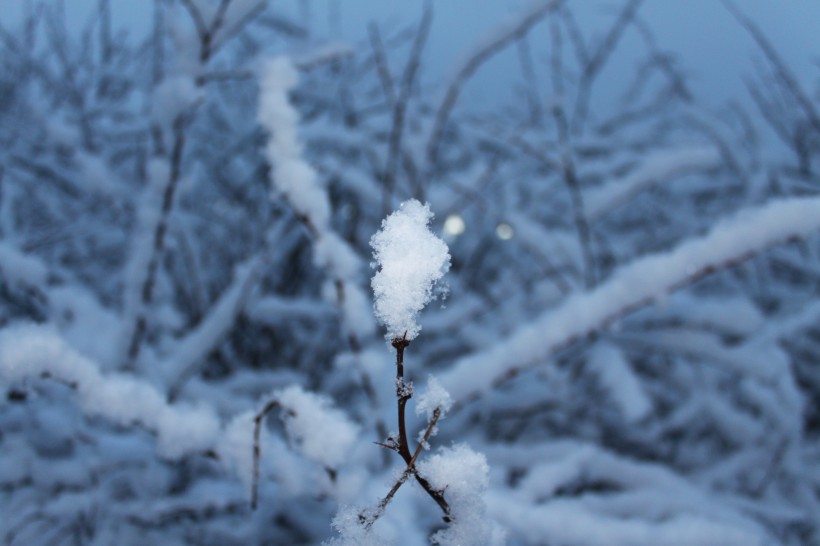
627,353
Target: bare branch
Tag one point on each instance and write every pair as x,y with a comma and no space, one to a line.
257,430
380,60
469,68
400,106
779,65
369,518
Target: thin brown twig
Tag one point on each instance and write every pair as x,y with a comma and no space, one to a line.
257,429
404,392
409,470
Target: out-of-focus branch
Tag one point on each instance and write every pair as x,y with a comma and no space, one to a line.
507,35
597,61
400,107
781,69
729,243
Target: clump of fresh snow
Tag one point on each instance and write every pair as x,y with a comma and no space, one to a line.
411,260
434,396
463,475
321,432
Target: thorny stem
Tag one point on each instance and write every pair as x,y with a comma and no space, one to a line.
410,469
403,394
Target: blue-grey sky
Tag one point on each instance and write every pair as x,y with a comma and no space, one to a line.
712,48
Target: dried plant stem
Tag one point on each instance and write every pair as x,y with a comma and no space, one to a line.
403,394
257,430
409,470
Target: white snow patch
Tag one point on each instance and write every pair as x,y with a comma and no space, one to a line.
319,431
434,396
411,260
620,382
463,475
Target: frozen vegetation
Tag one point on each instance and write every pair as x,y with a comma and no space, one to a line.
207,233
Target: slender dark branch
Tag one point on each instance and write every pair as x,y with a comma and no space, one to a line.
469,68
147,291
369,519
230,32
380,60
580,219
196,17
597,62
404,392
525,60
257,429
779,65
400,106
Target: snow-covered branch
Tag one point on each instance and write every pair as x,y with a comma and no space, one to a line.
639,283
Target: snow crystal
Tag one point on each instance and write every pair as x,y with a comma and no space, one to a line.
411,259
434,396
321,432
463,475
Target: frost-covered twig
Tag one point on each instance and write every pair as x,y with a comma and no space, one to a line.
657,167
175,102
404,391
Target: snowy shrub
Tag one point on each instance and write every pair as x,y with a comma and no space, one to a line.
189,350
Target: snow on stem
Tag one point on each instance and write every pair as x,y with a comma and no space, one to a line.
298,182
634,285
29,351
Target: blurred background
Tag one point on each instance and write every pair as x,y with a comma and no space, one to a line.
630,329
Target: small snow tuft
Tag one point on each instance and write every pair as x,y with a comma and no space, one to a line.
321,432
434,396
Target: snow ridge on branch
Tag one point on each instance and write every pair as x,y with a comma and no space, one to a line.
636,284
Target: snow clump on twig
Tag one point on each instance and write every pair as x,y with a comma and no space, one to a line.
411,260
